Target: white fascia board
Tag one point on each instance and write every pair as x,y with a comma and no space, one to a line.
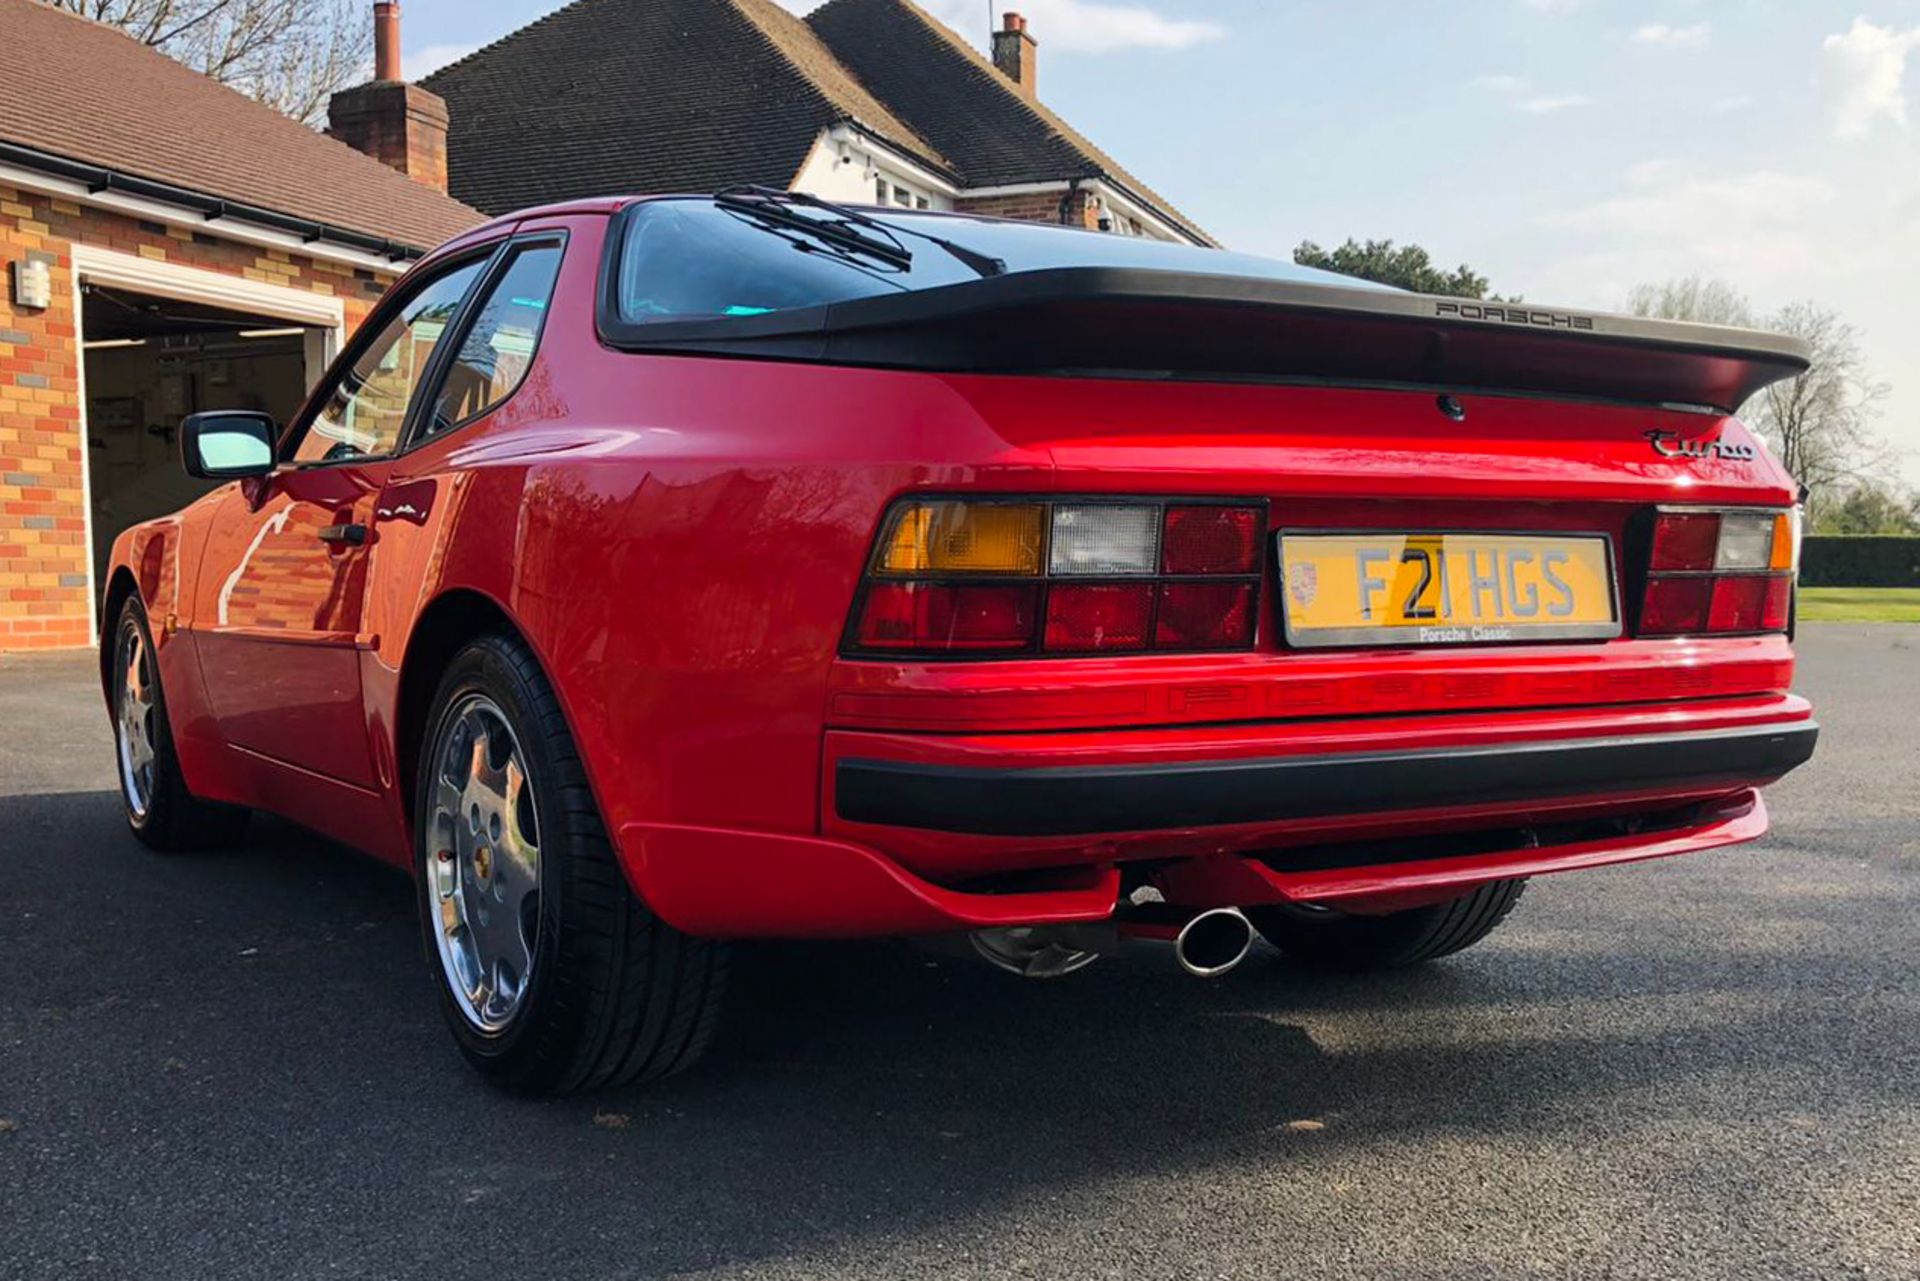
1015,189
850,133
213,288
1126,204
226,228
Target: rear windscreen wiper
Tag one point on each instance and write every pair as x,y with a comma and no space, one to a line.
843,237
771,202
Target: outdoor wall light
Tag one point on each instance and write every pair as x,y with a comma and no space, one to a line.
32,285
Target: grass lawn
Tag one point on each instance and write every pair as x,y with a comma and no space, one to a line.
1860,604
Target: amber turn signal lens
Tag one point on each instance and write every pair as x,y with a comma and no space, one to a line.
1785,539
935,538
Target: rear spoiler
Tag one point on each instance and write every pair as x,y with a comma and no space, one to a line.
1126,322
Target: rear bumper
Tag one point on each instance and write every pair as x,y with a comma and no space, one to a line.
1092,800
922,833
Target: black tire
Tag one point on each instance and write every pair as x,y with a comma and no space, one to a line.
174,819
614,995
1333,940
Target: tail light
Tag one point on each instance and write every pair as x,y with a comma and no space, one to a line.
994,577
1720,572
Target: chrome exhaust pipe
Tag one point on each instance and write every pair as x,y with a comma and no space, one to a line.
1213,942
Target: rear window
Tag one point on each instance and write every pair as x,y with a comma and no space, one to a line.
690,259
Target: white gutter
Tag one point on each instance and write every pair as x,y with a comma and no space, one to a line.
228,227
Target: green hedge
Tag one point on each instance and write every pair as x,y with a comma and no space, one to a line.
1860,560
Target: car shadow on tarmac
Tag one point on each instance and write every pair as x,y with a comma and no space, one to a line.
273,1001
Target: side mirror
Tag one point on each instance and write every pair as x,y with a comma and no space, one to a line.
228,444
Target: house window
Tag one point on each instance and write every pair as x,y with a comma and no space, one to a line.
880,185
921,202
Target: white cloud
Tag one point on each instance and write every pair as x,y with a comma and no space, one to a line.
1077,26
1547,104
424,62
1499,84
1747,227
1518,92
1861,74
1659,33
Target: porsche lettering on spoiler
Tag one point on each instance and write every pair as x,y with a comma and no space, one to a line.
1512,315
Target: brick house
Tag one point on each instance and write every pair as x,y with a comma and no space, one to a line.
168,245
172,246
863,101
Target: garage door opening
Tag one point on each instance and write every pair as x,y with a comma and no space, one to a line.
151,361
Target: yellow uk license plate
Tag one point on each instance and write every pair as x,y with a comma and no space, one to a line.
1445,589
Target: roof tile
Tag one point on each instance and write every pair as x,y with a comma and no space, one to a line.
989,131
87,92
647,97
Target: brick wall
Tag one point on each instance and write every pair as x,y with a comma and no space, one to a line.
1042,206
43,500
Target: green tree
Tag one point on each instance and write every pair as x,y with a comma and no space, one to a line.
1867,508
1402,266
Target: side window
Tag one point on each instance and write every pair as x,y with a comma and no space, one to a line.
500,343
368,406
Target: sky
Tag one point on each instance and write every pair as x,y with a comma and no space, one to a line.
1566,149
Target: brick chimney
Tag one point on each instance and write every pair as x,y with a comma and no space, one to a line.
400,125
1017,54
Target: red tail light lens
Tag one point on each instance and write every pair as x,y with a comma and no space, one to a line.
1211,540
1685,541
939,618
1676,606
1099,617
1204,616
1720,573
998,576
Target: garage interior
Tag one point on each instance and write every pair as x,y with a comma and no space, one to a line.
151,361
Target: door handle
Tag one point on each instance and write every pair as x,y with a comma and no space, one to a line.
351,535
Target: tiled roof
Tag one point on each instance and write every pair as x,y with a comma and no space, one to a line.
79,90
648,96
989,132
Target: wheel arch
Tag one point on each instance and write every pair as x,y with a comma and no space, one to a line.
450,621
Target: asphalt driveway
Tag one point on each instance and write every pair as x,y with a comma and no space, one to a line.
231,1065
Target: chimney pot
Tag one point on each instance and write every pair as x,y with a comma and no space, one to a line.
386,40
401,125
1017,54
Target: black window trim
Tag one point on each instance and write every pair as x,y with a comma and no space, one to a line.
413,434
371,328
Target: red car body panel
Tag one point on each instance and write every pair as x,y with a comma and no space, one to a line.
680,539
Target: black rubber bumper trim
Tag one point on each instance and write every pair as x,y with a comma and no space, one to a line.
1076,800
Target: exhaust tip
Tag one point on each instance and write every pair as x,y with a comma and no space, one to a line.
1214,942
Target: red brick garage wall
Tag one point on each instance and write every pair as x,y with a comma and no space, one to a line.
43,500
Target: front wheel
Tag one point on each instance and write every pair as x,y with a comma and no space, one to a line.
553,976
160,809
1335,940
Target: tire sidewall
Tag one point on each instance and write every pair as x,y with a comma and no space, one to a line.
483,668
133,618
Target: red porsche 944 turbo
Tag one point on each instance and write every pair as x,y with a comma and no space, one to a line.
651,574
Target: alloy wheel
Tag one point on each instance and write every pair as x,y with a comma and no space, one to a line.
134,714
483,863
